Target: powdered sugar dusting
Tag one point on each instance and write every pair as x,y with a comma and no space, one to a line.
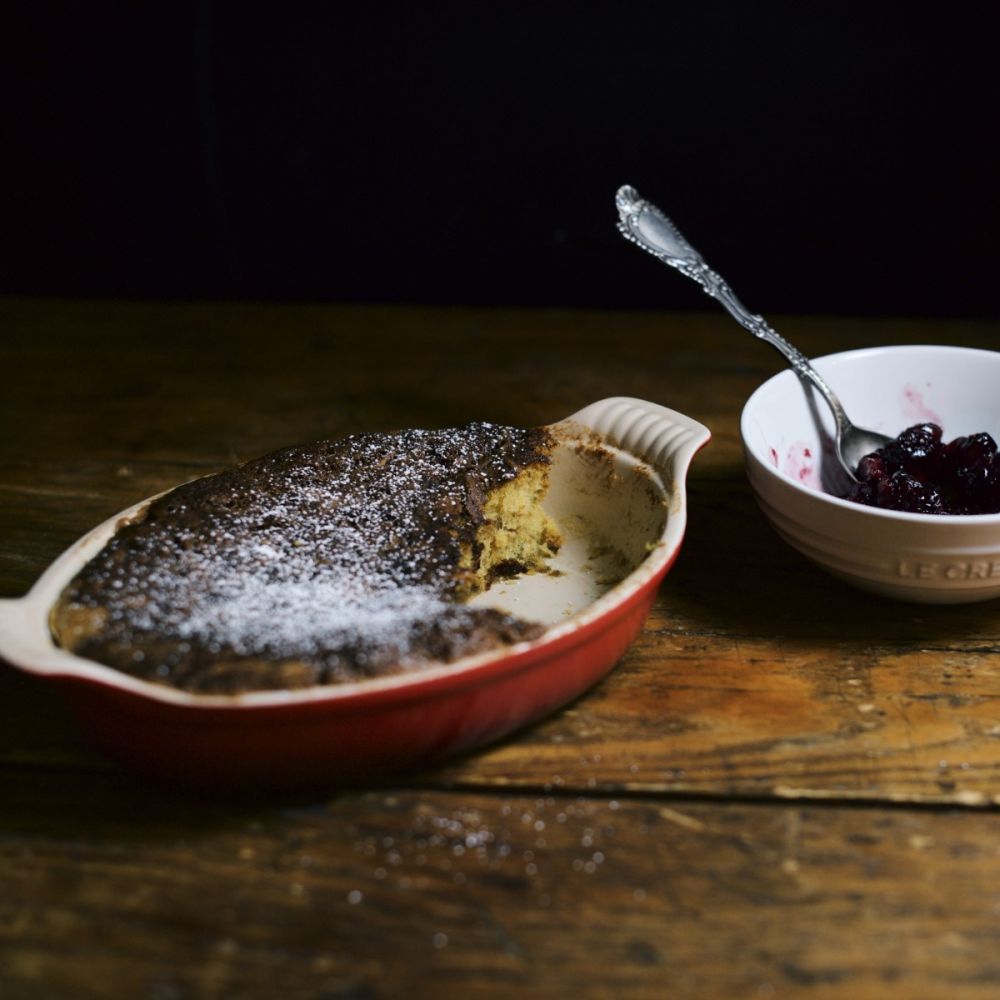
282,614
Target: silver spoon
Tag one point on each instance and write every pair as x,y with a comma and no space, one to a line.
643,224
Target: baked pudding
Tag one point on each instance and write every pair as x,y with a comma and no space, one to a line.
320,564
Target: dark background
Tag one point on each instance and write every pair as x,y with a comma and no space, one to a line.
825,157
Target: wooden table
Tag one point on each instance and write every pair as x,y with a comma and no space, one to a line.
786,788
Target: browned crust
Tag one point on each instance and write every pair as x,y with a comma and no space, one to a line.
109,611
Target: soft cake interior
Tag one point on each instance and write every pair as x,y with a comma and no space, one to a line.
516,536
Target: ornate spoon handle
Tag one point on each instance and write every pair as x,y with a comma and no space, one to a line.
643,224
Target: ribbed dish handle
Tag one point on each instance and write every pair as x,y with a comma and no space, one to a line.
663,438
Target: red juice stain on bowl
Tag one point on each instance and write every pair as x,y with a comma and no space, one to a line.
914,409
800,465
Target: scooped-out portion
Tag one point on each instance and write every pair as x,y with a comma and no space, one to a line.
321,564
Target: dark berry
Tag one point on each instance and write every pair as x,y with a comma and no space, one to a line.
973,453
920,441
922,452
901,491
872,468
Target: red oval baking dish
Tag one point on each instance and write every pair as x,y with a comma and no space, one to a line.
617,489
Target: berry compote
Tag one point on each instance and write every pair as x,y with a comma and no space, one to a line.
918,472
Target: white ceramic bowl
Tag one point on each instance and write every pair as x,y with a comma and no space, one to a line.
787,432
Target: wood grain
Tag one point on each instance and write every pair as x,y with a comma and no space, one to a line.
399,893
786,788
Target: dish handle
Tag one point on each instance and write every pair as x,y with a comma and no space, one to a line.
19,631
12,611
663,438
